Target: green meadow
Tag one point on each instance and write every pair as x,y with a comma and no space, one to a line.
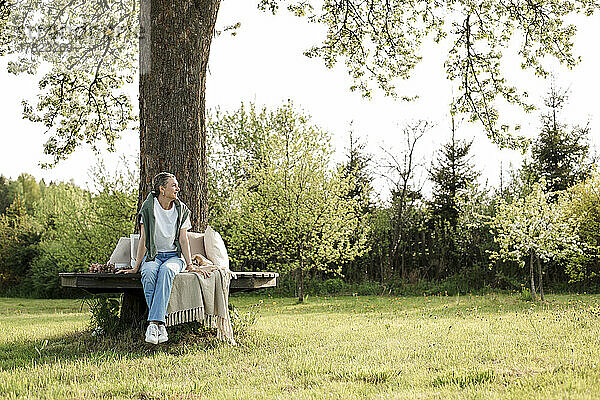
465,347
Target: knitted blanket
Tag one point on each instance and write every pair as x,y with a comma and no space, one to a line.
194,298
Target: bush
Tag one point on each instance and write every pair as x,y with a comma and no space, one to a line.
368,289
19,246
526,294
104,315
43,279
286,286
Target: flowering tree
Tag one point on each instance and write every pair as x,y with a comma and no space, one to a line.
293,212
582,203
531,227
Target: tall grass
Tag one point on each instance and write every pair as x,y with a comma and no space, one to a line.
492,346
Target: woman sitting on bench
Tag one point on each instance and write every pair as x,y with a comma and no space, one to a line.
164,223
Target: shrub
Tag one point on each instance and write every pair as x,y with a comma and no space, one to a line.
104,315
19,246
526,294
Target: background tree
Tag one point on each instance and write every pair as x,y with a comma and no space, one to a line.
581,204
356,169
560,154
292,211
19,239
531,228
8,191
399,171
451,174
472,240
236,144
26,187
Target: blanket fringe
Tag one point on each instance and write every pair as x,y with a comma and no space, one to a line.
182,316
223,325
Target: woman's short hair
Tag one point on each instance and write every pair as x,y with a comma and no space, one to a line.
160,180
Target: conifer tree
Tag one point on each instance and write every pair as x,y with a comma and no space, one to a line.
451,173
561,152
356,170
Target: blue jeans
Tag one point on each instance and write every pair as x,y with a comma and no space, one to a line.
157,281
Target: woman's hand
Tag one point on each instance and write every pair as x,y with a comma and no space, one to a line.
127,271
204,272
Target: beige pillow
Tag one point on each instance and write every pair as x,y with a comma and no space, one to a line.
196,243
215,248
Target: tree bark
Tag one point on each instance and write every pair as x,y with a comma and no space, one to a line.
134,310
382,260
300,283
403,264
540,281
175,41
300,277
533,294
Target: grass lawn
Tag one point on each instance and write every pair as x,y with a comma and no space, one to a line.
466,347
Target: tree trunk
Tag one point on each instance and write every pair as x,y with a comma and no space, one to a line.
403,264
175,40
382,261
134,310
424,256
442,249
300,283
533,294
442,261
540,281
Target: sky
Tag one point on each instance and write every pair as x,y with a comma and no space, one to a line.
264,63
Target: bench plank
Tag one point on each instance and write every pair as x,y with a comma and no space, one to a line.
111,283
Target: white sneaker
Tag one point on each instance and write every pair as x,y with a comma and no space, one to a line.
152,334
162,334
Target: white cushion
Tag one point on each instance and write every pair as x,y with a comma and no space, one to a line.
121,255
215,248
134,241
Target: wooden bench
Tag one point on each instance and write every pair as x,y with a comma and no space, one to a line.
134,307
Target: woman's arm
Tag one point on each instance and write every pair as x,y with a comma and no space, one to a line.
141,251
185,248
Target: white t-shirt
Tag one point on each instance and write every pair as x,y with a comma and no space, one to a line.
165,222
